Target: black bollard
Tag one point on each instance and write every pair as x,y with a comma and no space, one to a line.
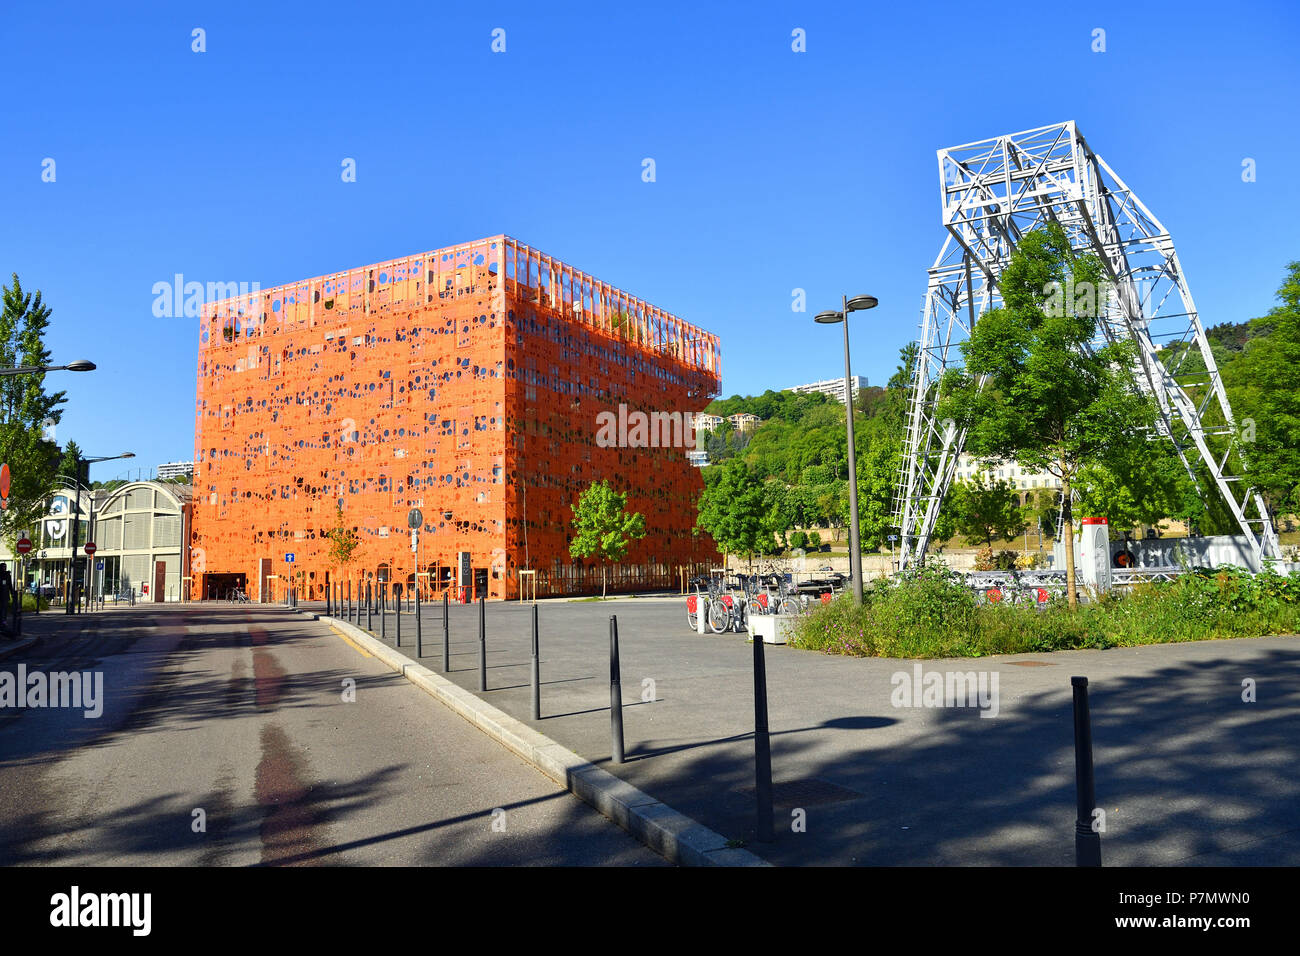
329,593
419,641
1087,841
615,694
369,604
482,644
446,636
537,672
383,613
397,617
762,746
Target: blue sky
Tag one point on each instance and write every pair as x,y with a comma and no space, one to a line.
775,170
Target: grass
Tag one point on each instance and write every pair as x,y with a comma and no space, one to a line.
931,614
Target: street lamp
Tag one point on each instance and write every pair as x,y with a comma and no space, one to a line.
80,365
859,303
76,520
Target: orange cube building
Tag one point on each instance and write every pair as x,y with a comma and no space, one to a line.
470,383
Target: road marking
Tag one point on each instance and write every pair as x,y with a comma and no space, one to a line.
351,643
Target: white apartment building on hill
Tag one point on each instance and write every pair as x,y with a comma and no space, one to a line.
833,387
1024,481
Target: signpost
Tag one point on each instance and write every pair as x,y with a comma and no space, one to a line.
415,521
23,545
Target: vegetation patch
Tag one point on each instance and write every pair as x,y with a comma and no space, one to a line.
930,613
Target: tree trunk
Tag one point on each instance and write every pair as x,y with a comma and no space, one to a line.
1067,534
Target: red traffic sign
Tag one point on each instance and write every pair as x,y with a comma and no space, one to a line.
24,545
90,547
4,481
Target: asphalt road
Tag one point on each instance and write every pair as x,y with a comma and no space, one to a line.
226,739
1188,772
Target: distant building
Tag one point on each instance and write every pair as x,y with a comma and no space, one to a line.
744,421
698,457
833,387
1023,481
704,422
141,529
175,469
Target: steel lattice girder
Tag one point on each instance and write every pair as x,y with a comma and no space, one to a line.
993,192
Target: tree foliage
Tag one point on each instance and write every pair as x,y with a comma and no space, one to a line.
738,511
343,540
1266,401
602,527
1035,389
29,413
984,512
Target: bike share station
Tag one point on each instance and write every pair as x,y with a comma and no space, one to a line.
766,605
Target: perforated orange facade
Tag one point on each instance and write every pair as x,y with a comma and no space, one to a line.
466,382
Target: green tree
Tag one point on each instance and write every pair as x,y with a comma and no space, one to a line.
602,527
1033,389
1266,401
29,413
735,509
1141,485
983,512
70,464
343,540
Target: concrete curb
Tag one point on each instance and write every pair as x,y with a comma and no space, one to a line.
22,645
673,835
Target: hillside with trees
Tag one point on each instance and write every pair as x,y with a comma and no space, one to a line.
791,472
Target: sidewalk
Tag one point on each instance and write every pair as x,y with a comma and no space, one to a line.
1186,771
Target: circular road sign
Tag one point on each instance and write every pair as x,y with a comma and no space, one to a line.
90,547
24,545
414,518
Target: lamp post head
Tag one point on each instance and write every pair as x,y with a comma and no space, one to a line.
828,318
861,302
80,365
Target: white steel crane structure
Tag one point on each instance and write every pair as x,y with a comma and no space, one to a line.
995,191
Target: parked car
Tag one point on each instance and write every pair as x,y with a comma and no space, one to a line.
44,590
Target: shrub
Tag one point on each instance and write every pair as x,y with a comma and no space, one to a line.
815,539
930,613
798,540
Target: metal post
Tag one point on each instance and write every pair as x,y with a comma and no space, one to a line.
446,635
329,594
69,605
369,605
383,612
1087,842
762,746
537,672
615,694
855,544
397,618
419,640
482,644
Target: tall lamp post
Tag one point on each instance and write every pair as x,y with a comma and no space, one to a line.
76,522
79,365
859,303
